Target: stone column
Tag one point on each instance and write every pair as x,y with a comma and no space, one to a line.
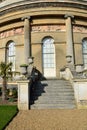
27,38
69,40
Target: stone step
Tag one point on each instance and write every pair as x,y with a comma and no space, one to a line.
53,86
54,94
54,101
66,99
52,106
38,93
51,94
58,93
70,97
55,83
53,90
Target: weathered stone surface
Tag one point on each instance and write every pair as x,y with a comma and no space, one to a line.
53,94
23,95
12,32
80,89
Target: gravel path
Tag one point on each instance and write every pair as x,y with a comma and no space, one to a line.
49,120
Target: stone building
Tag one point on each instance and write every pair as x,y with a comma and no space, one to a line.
54,32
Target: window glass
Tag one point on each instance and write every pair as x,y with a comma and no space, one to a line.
11,54
48,53
84,43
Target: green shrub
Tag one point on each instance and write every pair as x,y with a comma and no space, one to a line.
12,94
15,93
11,99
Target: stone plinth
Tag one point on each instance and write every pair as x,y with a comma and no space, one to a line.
79,68
23,95
80,89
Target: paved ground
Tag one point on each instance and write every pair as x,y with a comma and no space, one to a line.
49,120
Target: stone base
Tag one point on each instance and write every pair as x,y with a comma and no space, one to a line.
23,95
23,106
79,68
82,104
80,91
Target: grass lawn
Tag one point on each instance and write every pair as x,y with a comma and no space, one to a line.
7,112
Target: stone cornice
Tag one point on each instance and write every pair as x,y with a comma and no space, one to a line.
9,2
27,5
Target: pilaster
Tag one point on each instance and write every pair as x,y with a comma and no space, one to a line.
69,40
27,38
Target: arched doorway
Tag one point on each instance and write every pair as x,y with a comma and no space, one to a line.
48,54
84,47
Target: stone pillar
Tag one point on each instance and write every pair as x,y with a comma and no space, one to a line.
69,40
23,94
27,38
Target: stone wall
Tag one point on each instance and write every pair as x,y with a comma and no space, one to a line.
38,32
80,90
47,18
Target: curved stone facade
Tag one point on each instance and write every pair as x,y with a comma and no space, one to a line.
28,22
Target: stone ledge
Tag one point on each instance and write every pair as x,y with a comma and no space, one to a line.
7,2
21,5
80,80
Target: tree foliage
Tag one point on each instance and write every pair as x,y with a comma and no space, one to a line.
5,73
5,70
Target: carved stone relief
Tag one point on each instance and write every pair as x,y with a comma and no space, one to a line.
81,29
47,28
12,32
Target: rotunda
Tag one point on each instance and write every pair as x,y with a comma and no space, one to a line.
54,32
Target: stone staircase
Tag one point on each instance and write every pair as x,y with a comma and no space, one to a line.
52,94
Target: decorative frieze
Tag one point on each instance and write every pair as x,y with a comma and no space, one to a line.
12,32
41,28
48,28
81,29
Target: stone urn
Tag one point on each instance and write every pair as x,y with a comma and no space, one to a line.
23,69
79,68
68,58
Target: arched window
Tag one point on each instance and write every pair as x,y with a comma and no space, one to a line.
84,48
48,52
11,53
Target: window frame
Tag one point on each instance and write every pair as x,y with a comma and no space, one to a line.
49,52
84,51
11,53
